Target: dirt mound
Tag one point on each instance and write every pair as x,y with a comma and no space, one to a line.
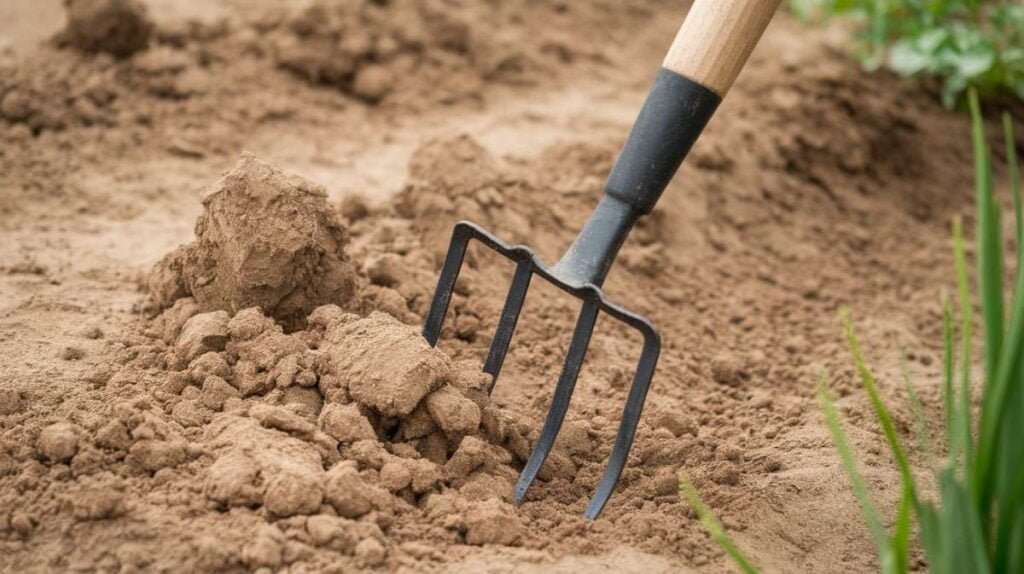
417,51
355,423
66,94
117,27
366,48
266,239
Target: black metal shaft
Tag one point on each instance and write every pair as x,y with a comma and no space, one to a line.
592,253
560,401
673,116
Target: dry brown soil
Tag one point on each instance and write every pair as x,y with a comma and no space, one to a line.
216,247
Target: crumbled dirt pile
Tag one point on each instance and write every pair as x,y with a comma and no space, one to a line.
104,85
86,94
366,48
115,67
266,239
117,27
435,50
454,177
345,439
56,90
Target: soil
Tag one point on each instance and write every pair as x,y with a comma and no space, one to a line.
221,227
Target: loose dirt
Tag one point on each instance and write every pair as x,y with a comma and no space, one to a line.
221,231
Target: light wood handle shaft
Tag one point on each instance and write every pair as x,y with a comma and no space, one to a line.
716,39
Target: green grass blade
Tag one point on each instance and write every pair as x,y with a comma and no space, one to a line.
964,548
901,533
1015,559
931,537
990,471
1009,534
924,434
714,527
860,489
948,393
990,260
1013,174
966,326
884,418
1004,402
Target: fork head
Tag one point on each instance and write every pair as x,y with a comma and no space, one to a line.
594,301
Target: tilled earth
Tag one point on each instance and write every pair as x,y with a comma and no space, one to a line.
221,229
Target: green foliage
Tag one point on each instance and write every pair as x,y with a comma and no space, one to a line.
714,527
892,552
965,43
977,523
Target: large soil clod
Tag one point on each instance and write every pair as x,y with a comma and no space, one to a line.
266,239
117,27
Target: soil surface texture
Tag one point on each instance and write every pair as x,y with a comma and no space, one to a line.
221,225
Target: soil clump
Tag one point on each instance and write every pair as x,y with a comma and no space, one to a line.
266,239
117,27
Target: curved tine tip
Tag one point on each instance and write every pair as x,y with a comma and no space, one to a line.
519,493
507,323
448,275
627,426
560,400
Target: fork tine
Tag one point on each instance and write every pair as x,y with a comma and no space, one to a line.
560,401
446,283
627,427
507,323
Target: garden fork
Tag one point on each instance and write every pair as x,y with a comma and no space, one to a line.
707,54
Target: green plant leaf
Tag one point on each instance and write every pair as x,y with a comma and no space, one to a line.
931,537
713,526
860,489
963,417
963,542
990,268
924,433
948,393
973,64
988,474
1009,464
907,59
900,543
884,418
963,43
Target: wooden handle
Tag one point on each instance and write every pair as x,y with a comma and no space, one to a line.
716,39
